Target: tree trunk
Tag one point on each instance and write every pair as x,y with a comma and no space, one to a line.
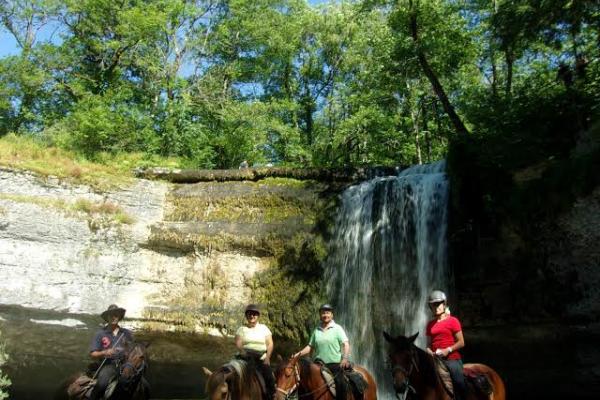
509,57
431,75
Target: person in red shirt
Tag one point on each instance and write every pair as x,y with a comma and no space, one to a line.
445,338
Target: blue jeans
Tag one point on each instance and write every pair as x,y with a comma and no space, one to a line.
105,375
458,378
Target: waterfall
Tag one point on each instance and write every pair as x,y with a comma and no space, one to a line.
387,253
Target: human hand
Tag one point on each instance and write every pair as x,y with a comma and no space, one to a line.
344,364
267,361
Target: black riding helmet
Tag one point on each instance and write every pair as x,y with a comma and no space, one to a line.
326,307
252,308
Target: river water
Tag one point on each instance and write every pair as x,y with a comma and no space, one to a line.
43,352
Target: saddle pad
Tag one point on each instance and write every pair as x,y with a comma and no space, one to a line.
444,375
328,376
478,381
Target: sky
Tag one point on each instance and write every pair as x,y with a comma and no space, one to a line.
8,44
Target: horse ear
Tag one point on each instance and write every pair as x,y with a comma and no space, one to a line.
413,337
279,358
206,371
388,337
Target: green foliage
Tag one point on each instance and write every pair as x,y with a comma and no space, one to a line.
4,380
280,81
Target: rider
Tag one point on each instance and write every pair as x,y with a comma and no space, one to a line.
445,338
255,342
331,345
108,345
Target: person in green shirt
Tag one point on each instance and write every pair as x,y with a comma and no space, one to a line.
329,344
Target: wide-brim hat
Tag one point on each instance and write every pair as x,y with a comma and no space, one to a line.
113,309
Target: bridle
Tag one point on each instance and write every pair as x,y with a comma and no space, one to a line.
136,371
403,391
288,394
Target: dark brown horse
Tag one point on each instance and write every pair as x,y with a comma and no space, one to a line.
415,374
304,377
131,384
235,380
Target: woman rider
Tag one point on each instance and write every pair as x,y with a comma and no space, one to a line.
445,338
255,342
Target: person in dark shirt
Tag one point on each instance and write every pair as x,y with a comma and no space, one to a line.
108,347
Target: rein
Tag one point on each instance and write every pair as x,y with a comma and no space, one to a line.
289,393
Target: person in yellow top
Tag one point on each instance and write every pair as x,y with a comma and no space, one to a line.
255,343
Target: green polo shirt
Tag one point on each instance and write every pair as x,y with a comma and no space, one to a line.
327,343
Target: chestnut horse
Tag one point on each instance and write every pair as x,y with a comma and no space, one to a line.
233,381
304,377
131,384
415,374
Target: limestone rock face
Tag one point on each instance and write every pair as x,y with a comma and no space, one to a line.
68,247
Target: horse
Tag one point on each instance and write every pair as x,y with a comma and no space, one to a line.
304,376
130,385
235,380
415,374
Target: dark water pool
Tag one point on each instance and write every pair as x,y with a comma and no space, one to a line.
43,354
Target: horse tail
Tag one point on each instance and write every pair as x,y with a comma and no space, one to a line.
498,388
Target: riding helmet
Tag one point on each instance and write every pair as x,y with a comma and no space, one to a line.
326,307
437,296
252,308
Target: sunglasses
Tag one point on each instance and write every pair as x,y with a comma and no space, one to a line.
252,314
436,304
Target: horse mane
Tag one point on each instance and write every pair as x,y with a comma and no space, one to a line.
239,380
426,365
305,364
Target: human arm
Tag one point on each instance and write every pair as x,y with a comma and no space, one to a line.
269,343
99,354
306,350
345,354
459,343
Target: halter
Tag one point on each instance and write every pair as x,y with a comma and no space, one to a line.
289,393
402,392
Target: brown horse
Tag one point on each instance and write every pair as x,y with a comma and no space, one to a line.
131,384
415,374
304,377
233,381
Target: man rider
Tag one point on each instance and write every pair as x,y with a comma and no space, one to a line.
107,346
330,344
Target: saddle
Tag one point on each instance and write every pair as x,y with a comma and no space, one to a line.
356,381
477,382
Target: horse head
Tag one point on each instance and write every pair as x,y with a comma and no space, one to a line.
403,359
134,365
287,378
230,381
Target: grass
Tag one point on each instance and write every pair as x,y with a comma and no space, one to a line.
108,171
112,212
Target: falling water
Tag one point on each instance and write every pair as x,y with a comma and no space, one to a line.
388,252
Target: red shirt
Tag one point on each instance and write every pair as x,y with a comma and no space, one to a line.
442,335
